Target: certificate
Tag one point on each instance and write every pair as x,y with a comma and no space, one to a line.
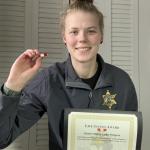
102,130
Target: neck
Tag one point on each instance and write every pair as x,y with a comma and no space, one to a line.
85,70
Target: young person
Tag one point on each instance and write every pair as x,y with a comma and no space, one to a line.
84,80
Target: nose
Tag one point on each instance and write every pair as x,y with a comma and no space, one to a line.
82,36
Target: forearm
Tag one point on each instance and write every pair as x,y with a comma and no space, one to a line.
8,105
8,108
16,116
5,133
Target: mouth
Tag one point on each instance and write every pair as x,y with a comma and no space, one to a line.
83,49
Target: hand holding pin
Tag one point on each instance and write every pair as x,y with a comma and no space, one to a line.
45,54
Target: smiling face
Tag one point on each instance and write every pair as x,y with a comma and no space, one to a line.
82,36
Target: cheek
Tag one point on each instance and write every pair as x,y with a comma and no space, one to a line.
70,41
96,40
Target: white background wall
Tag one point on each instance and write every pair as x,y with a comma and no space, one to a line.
144,62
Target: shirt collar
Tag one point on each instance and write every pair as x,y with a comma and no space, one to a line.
105,78
72,79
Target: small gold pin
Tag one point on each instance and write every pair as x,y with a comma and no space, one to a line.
109,99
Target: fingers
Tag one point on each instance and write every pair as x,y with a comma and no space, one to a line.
31,53
34,54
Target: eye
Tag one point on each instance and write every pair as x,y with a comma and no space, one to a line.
75,32
92,31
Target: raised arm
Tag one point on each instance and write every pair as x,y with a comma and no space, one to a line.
24,69
15,115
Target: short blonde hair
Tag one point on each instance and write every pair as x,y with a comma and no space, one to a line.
83,5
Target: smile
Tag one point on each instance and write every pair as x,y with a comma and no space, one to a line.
83,48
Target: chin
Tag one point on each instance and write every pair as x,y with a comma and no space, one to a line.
84,60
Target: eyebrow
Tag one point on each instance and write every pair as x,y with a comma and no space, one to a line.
92,27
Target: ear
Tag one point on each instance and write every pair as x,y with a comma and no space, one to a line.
101,41
63,37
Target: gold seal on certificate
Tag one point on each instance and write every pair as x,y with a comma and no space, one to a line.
102,130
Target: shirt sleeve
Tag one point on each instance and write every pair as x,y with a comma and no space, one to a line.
19,113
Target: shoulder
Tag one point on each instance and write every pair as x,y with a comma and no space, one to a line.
109,71
115,70
117,74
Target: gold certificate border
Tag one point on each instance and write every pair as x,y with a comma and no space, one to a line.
73,116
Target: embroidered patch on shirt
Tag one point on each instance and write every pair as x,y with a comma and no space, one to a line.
109,99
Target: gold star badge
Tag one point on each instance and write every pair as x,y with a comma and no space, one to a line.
109,100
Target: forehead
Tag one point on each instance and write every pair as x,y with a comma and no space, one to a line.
78,18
